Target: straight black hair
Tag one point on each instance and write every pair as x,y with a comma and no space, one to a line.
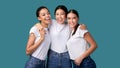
74,12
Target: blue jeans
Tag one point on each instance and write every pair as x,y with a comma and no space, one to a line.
86,63
58,60
35,63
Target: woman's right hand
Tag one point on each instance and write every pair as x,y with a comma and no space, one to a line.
42,33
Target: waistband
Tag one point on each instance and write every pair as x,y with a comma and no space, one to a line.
56,53
34,58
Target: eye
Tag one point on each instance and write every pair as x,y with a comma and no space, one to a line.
74,17
57,14
43,14
48,13
62,13
68,18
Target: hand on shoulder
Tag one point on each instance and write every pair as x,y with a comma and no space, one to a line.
83,26
41,30
38,25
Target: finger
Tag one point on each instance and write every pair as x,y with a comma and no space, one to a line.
41,29
83,24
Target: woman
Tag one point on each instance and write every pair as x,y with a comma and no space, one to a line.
77,45
39,40
59,31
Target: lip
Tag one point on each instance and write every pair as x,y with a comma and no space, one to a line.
60,20
47,19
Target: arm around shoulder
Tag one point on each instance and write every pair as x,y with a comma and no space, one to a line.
83,26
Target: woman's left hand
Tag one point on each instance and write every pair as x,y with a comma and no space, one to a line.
83,26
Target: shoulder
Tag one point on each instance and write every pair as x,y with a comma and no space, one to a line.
33,29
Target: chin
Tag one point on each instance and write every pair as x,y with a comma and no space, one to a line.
48,21
60,22
71,26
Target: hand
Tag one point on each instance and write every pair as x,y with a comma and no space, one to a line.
83,26
78,61
42,33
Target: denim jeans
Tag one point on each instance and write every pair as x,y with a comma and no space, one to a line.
58,60
86,63
35,63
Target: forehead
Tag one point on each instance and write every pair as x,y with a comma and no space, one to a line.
60,10
43,10
71,15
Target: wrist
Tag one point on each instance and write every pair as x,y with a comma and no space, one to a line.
41,38
82,56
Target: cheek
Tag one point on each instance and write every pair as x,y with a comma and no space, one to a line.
64,17
41,17
56,16
75,21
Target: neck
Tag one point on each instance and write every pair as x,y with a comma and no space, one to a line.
72,28
61,23
44,25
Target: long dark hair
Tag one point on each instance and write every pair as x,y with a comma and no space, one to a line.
75,29
76,13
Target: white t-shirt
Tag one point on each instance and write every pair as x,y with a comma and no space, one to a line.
41,51
77,45
60,34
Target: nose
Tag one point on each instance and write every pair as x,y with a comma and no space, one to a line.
59,16
48,15
71,20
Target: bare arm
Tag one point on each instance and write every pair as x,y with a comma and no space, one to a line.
31,45
92,43
93,46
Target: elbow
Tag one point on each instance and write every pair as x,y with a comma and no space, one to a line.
28,52
95,46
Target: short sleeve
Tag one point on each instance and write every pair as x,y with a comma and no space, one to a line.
82,32
33,30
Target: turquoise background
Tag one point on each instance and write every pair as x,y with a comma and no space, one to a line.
102,18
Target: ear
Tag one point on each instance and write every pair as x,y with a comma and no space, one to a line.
39,18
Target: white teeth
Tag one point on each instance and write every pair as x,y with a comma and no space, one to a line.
47,19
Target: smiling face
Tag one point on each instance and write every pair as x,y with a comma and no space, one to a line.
60,16
44,16
72,19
